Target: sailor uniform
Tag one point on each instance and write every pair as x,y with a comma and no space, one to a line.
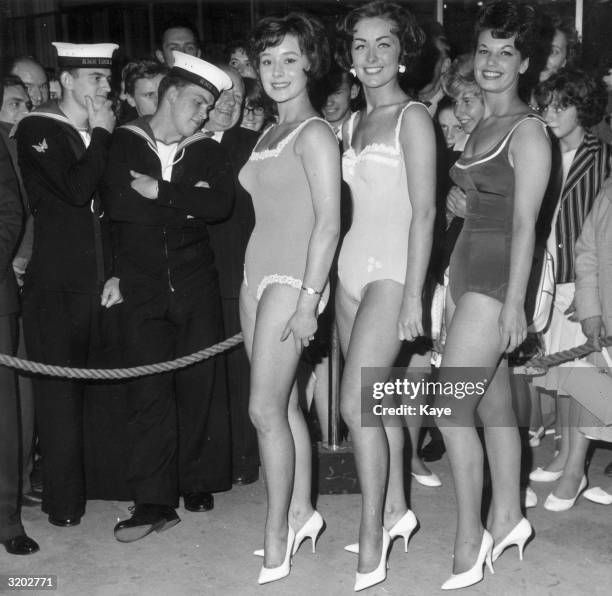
178,422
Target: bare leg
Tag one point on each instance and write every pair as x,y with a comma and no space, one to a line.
273,366
368,335
301,504
472,341
563,429
574,465
503,452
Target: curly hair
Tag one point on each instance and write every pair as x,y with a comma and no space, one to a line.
407,30
309,31
508,18
460,77
573,87
140,69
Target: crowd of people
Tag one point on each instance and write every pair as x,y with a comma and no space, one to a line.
368,181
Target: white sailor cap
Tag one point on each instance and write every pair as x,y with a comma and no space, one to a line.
199,72
85,55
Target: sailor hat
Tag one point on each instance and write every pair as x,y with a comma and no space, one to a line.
201,73
85,55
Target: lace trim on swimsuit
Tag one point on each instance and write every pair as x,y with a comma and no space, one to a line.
275,152
285,280
392,150
275,278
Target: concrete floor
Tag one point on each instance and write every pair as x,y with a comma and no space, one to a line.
210,553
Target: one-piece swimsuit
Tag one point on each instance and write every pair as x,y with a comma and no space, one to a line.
284,216
480,261
376,246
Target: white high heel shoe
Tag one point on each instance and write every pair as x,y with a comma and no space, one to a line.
554,503
598,495
432,480
476,573
272,574
404,527
311,529
542,475
519,535
366,580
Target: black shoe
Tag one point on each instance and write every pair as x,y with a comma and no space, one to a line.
146,519
433,451
246,477
20,545
198,501
608,470
31,499
64,522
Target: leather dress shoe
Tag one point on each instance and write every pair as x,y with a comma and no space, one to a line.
145,519
608,470
433,451
20,545
64,522
246,477
198,502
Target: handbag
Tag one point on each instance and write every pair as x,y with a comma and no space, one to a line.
591,387
540,291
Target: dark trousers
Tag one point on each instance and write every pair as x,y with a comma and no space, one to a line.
178,428
245,454
59,329
10,436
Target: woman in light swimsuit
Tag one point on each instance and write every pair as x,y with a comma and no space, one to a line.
389,164
293,177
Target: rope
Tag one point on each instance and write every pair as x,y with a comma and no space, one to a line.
542,363
120,373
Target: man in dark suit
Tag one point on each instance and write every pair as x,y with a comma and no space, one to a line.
228,240
12,534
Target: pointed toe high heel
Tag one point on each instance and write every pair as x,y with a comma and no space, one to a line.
542,475
311,529
432,480
554,503
598,495
272,574
476,573
366,580
404,527
519,535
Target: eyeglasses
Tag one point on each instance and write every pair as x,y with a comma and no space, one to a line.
256,110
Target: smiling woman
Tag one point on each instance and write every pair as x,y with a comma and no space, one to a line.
293,176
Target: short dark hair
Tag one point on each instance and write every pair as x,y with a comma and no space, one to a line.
255,95
176,23
408,31
310,33
235,44
508,18
573,87
140,69
10,80
170,80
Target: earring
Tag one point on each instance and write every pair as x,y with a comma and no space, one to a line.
401,69
353,71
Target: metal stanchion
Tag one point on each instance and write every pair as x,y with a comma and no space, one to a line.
337,472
